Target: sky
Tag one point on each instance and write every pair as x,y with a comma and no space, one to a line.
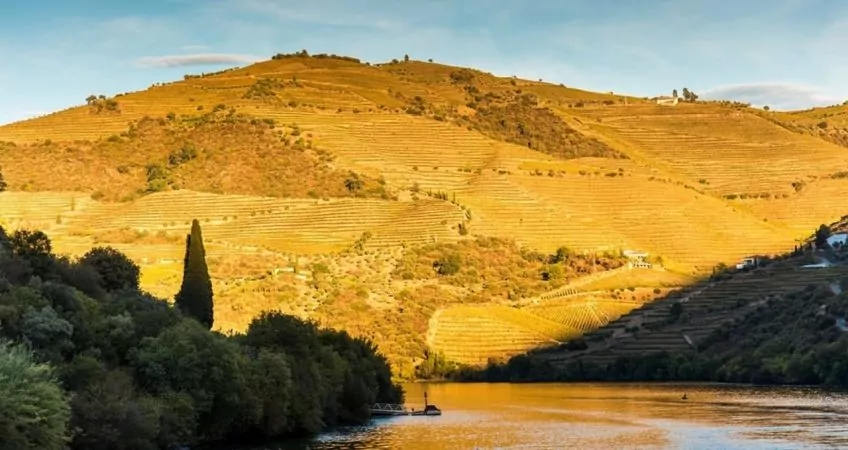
788,54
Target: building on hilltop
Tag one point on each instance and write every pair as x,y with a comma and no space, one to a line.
745,263
837,240
637,258
666,100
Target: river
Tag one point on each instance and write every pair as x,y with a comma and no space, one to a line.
604,416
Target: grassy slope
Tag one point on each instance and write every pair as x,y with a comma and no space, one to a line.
545,165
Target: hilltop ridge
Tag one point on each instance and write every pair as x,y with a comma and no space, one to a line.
315,177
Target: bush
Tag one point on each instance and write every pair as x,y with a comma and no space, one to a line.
115,269
34,411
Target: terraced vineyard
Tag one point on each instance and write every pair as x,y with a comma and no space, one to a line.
285,225
301,162
586,315
474,334
706,306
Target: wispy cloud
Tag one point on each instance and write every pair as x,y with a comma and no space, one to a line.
196,59
779,96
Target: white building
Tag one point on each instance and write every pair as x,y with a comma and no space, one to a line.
667,100
746,262
838,239
635,254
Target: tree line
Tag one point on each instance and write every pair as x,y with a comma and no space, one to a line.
90,361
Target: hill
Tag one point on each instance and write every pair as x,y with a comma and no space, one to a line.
782,321
316,177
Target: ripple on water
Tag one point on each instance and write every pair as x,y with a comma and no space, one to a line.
588,416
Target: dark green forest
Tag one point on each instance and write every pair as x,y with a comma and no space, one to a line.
89,361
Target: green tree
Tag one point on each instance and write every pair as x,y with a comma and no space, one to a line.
5,243
207,367
35,248
821,235
34,411
353,183
195,295
3,184
674,93
116,270
448,265
111,414
676,310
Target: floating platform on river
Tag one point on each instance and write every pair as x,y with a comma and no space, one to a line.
388,409
394,409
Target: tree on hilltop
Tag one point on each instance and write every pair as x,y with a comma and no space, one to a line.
674,93
689,96
3,184
195,295
821,235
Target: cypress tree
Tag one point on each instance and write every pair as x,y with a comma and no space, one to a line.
195,295
3,184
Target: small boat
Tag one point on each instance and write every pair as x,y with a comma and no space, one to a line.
429,410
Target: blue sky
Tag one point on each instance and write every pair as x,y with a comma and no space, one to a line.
784,53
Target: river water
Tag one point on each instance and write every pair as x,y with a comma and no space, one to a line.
604,416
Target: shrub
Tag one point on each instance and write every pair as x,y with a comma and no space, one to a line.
115,269
34,411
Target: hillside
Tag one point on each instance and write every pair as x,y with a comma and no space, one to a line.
316,177
780,322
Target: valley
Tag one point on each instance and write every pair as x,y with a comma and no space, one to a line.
425,206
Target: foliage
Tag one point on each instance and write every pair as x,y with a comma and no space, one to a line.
34,411
822,233
353,183
435,366
213,152
689,96
140,375
33,247
3,184
536,128
500,266
264,88
115,269
98,104
195,295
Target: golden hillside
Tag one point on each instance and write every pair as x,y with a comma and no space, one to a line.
315,178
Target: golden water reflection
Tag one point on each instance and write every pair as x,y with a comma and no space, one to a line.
615,416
